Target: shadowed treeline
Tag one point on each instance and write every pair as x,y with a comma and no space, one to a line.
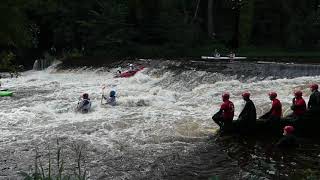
163,28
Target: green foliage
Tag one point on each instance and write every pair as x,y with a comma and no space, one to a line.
302,31
14,30
310,175
6,62
56,169
214,178
74,53
153,28
107,29
246,21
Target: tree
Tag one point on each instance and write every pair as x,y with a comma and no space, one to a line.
246,22
14,32
210,18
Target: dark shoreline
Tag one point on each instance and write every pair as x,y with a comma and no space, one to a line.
112,62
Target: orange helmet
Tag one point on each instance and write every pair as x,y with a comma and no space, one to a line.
298,93
272,94
225,96
313,87
246,95
288,129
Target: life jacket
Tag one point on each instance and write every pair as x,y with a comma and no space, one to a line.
299,107
111,100
85,105
227,108
276,109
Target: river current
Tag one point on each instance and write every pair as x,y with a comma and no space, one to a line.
161,127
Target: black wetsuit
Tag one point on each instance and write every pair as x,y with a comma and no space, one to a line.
247,118
287,141
309,122
84,105
224,124
314,102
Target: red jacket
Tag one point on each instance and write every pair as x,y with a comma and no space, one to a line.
299,106
227,108
276,109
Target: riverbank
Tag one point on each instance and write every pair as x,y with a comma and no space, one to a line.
253,55
115,62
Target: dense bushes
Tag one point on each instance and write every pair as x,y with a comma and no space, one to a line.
154,28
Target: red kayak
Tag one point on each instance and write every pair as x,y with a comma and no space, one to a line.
129,73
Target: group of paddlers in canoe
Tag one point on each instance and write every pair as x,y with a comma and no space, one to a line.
303,120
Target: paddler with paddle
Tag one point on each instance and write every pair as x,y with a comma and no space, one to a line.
111,100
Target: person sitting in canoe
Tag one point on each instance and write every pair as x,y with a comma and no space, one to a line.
298,106
216,54
225,115
309,121
232,55
299,109
275,113
119,70
132,67
314,100
111,99
247,119
84,105
288,140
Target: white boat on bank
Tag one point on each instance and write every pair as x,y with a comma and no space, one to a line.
223,58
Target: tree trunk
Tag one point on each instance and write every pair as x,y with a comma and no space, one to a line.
245,22
210,19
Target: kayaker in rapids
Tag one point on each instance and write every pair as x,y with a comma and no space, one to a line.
84,105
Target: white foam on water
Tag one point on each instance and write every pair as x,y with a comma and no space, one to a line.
152,109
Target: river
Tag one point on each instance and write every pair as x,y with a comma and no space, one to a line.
161,127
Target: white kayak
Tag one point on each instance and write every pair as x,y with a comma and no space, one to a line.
223,58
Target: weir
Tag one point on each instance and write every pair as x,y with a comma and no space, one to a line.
41,64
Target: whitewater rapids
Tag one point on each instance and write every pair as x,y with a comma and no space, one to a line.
162,119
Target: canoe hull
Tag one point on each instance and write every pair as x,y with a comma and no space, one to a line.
5,93
222,58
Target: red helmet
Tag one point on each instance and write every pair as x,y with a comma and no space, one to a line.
313,87
246,94
85,96
298,93
272,94
225,96
288,129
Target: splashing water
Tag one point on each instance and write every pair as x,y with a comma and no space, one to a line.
160,113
